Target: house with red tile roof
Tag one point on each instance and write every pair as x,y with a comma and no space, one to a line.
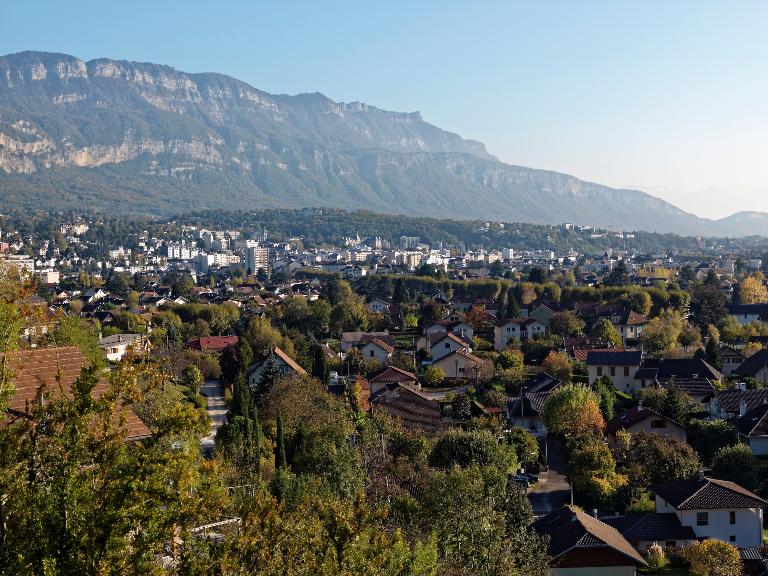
287,366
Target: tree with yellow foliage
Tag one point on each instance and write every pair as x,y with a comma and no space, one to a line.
752,289
713,558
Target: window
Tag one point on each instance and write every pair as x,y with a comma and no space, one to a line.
732,517
658,423
371,353
447,345
599,370
613,370
732,538
626,370
702,519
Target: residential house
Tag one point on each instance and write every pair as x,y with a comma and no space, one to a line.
639,419
285,364
447,344
543,312
756,366
619,365
737,401
714,509
748,313
42,373
732,359
377,350
378,306
351,340
118,346
440,327
528,412
629,324
462,364
753,428
516,328
692,375
411,407
644,530
393,376
580,545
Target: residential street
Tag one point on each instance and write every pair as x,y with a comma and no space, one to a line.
552,491
217,411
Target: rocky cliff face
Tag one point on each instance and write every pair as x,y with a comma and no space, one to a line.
145,137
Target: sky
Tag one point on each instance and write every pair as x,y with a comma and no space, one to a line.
666,97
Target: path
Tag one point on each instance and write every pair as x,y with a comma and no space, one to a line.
552,490
217,412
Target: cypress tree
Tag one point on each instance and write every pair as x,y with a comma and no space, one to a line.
269,378
281,462
513,308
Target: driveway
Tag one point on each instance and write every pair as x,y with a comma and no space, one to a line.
552,491
217,412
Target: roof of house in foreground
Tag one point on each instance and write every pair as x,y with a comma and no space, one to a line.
570,528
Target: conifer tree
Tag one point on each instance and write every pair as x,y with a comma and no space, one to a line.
281,462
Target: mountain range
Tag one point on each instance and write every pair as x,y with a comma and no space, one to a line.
144,138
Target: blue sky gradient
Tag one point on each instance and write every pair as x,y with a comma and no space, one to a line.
670,97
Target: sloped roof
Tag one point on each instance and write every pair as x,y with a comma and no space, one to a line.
410,407
582,353
394,374
750,309
651,526
570,528
691,386
636,414
288,360
52,370
681,368
453,337
752,365
383,345
213,343
755,422
707,493
614,358
729,399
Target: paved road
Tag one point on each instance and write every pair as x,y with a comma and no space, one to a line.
552,491
217,411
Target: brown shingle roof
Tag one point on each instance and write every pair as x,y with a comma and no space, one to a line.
394,374
383,345
636,414
707,493
213,343
54,370
410,407
570,528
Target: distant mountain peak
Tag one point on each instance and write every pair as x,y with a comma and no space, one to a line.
142,137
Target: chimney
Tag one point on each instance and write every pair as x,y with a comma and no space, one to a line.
742,407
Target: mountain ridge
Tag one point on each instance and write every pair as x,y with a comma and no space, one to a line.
129,136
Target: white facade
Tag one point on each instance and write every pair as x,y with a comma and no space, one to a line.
738,526
623,377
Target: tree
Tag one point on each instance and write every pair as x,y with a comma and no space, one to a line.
566,324
513,306
619,276
678,405
737,464
558,364
281,462
192,378
690,337
538,275
572,411
752,289
320,368
708,303
708,436
639,301
434,375
606,332
524,443
652,458
606,394
662,333
713,558
465,448
269,377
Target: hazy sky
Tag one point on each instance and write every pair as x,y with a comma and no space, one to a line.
670,97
